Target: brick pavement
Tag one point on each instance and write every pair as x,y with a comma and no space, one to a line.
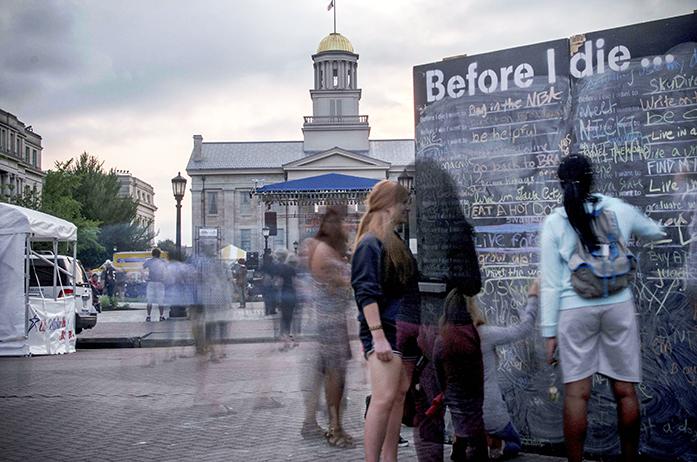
166,404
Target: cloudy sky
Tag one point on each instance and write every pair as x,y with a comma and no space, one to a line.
131,81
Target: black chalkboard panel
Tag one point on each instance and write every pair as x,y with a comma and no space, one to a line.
490,131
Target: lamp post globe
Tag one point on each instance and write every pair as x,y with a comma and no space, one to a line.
406,180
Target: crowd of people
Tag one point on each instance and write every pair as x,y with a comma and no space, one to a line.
589,327
452,364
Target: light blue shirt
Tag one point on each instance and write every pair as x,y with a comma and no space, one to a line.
558,242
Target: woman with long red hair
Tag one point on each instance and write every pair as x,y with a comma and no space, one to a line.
384,279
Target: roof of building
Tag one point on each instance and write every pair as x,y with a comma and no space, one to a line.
274,154
335,42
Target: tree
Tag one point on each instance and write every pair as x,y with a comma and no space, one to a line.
169,246
81,191
58,200
97,191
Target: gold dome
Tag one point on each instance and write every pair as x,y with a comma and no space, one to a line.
335,42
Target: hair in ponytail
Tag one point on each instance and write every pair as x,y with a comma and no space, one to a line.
398,264
576,177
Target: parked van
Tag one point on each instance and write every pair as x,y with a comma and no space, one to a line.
41,284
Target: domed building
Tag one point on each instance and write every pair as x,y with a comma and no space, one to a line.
235,184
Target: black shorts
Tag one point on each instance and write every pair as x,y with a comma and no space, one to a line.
390,330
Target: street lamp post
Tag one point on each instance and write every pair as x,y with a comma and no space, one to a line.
178,188
407,181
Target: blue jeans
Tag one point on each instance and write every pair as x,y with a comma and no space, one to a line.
509,435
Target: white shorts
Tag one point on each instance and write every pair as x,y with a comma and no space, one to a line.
602,339
155,293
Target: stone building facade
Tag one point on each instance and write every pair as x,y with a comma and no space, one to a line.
335,139
20,157
142,193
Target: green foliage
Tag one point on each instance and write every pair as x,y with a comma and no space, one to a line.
82,192
29,198
98,190
169,246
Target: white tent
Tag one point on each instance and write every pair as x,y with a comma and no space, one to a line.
31,325
230,252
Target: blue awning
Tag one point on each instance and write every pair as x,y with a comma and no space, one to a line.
328,182
323,189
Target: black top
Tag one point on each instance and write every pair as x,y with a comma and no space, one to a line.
394,299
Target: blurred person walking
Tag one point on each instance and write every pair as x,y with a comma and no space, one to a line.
331,281
504,439
97,290
109,282
593,334
240,278
155,290
213,297
457,358
268,292
284,273
383,271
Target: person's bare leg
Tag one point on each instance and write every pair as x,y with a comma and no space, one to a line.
148,309
390,446
334,391
313,385
384,386
576,395
628,421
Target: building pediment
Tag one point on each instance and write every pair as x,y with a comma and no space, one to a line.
336,159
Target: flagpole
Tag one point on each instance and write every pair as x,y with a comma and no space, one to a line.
335,16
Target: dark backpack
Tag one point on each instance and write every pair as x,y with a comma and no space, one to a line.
609,269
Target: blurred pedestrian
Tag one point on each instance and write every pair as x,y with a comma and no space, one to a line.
594,334
241,281
284,277
457,357
213,298
155,291
109,282
268,292
504,439
382,271
331,281
97,289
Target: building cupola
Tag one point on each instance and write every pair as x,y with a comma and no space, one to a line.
335,119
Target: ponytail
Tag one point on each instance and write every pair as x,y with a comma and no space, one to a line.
576,176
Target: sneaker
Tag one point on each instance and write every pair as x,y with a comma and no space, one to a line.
403,443
162,318
147,319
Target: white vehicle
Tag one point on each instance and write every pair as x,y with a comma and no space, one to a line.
41,284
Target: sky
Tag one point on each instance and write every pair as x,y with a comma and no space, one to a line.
132,81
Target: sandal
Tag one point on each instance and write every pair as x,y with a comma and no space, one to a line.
339,438
312,431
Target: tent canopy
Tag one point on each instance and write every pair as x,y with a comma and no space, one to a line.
230,252
328,188
19,220
328,182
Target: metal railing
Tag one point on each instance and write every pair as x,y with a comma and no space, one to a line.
333,120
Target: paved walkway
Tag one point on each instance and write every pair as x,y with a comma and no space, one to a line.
166,404
127,327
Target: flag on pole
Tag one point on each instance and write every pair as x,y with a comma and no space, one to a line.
331,5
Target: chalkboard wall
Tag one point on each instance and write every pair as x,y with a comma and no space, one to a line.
490,132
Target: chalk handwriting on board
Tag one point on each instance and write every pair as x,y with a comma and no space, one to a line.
494,127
